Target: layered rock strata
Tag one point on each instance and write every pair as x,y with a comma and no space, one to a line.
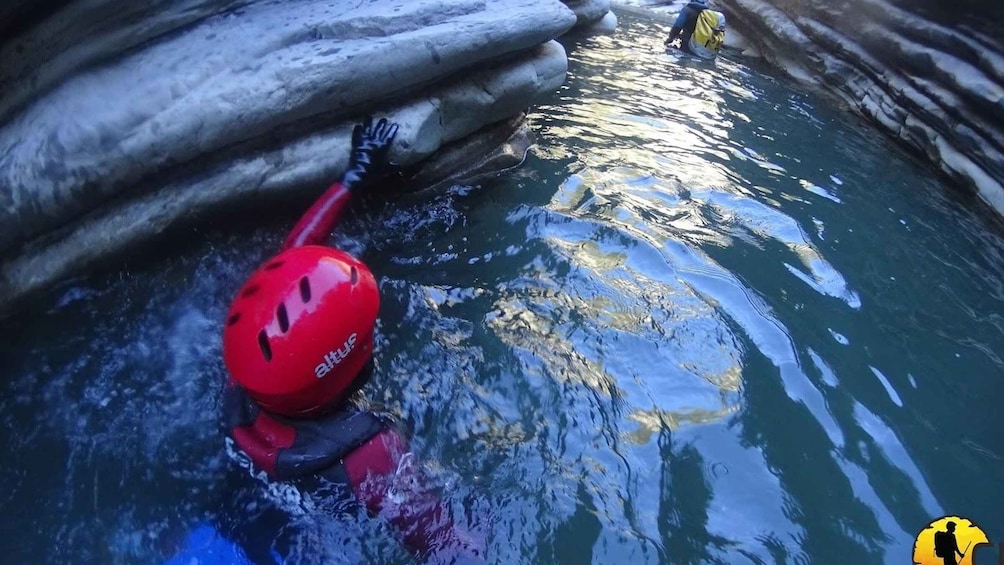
141,117
928,73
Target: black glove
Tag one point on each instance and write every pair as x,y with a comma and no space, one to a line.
370,145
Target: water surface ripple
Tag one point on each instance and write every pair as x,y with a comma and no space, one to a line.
710,320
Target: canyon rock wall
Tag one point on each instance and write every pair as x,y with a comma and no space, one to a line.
118,120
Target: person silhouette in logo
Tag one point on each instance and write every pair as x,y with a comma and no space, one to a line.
945,545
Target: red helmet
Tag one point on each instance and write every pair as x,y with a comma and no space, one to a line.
301,329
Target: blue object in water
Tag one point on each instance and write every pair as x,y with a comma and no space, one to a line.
206,546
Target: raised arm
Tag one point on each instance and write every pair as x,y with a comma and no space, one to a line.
370,144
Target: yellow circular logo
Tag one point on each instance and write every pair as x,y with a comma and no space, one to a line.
948,541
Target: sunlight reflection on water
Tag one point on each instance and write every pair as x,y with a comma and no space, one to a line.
708,320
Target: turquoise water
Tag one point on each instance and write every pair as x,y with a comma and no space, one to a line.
710,319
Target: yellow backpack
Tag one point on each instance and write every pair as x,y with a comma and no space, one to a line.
710,32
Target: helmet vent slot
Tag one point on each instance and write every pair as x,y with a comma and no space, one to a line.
266,349
233,319
354,276
280,312
274,265
249,291
305,290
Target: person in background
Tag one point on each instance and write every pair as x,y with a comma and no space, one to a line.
701,31
298,340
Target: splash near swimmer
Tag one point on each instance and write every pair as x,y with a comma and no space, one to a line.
297,341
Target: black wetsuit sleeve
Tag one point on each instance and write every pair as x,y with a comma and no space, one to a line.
689,25
674,32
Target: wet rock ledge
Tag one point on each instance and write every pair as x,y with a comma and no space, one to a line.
928,72
120,120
